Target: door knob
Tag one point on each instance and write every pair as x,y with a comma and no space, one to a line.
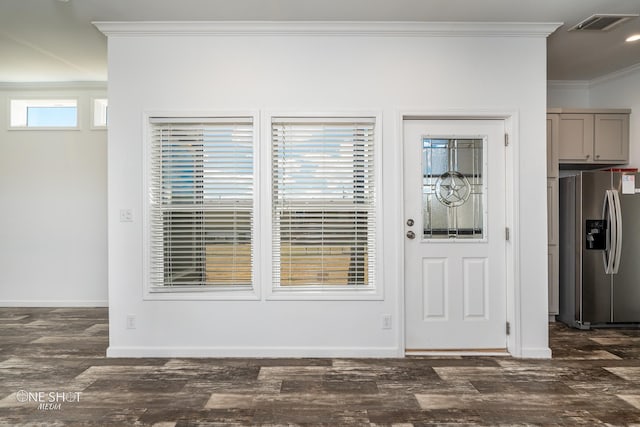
411,235
410,222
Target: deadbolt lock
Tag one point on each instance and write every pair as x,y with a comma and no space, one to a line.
410,222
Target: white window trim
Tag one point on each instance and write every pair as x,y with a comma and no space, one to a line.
265,177
93,113
199,292
44,98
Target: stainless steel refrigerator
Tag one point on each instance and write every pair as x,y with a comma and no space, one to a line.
600,249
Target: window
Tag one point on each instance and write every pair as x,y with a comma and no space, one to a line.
201,203
44,113
453,188
100,110
323,203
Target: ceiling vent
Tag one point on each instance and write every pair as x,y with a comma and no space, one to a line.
602,22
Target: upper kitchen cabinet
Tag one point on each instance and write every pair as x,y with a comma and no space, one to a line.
575,138
593,137
611,138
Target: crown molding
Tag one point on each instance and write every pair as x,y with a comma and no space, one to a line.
326,28
615,75
568,84
589,84
52,85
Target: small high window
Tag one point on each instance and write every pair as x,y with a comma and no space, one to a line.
44,113
100,110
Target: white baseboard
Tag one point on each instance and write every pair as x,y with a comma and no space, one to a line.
457,353
54,303
278,352
536,353
253,352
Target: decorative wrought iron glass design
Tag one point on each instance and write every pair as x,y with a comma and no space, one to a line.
453,187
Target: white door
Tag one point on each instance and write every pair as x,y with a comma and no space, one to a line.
455,242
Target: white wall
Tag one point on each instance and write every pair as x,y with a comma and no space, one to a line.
53,224
568,94
297,73
621,90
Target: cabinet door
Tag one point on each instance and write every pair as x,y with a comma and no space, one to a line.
552,211
611,138
552,242
576,138
554,288
552,145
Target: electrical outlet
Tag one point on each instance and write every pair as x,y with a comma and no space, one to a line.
386,321
131,321
126,215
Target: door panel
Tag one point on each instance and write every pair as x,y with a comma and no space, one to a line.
454,192
475,289
435,288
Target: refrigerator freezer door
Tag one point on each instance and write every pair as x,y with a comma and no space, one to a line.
626,284
596,284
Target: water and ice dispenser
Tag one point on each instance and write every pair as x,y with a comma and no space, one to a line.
596,230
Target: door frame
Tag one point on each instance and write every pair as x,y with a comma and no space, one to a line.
512,215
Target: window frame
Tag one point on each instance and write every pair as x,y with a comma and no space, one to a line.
28,99
483,212
342,293
262,235
94,110
213,292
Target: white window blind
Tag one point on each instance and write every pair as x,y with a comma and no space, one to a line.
201,202
323,202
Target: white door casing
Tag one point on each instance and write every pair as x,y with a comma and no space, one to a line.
455,266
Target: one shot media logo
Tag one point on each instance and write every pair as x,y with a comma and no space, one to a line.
48,400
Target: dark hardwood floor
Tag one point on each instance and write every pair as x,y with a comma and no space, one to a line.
53,372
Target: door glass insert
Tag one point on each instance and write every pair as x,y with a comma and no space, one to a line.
453,187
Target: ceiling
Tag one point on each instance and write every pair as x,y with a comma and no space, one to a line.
55,41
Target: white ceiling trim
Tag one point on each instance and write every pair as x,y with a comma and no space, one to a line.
327,28
615,75
568,84
89,85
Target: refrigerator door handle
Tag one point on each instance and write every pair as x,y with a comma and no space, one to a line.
618,242
608,254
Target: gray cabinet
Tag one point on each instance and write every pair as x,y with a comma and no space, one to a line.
611,138
552,145
593,137
552,245
576,138
553,131
554,280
